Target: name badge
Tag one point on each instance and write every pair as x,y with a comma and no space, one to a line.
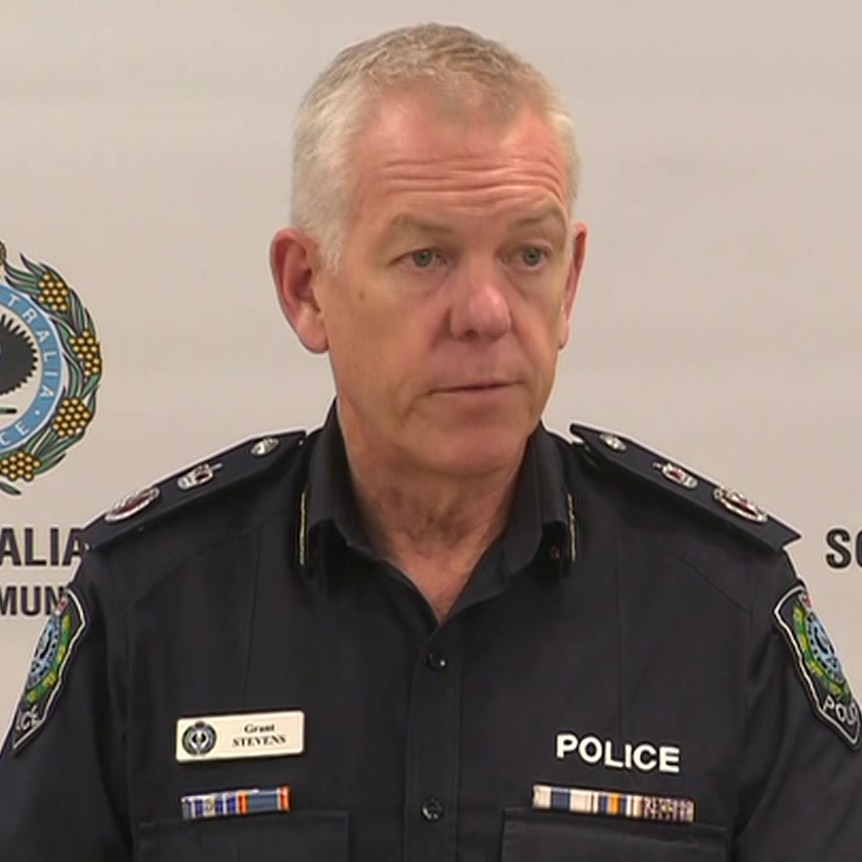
234,737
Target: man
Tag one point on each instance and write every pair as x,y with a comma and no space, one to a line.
433,629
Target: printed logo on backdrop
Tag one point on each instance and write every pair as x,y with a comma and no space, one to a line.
50,370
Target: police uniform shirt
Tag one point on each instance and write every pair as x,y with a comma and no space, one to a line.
613,683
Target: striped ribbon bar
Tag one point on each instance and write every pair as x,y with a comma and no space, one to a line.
631,805
231,803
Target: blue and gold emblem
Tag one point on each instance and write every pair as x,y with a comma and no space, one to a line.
819,665
48,668
50,369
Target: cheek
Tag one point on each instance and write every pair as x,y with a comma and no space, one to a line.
375,346
542,323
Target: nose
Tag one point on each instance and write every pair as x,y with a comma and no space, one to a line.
480,309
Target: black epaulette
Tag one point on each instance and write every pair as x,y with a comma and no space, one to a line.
140,510
718,503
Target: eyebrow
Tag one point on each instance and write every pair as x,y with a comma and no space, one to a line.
411,221
421,224
552,212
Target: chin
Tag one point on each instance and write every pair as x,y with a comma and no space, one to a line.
466,435
475,451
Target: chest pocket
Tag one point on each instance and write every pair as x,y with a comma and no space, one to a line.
307,836
531,836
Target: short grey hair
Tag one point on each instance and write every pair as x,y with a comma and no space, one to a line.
453,61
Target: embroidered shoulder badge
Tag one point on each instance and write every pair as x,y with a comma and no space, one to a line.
50,661
819,665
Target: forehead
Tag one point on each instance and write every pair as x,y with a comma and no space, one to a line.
416,152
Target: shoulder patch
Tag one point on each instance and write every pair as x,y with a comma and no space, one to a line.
819,667
54,651
720,504
217,474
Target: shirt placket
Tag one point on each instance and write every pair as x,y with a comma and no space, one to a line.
432,757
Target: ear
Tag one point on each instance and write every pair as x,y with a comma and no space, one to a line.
296,267
573,280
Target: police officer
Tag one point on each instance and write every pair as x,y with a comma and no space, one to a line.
433,629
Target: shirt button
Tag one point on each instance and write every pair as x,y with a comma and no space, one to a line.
436,661
555,553
432,809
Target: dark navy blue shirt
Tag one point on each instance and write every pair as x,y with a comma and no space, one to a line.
615,643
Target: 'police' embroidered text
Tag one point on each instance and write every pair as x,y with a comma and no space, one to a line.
634,757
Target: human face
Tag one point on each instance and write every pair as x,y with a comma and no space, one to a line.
446,315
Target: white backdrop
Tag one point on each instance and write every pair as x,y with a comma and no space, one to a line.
144,155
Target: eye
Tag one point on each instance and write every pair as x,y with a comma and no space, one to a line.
423,258
532,256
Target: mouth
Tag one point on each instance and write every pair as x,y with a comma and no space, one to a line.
477,387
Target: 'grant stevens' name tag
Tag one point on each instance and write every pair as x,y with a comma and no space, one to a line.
232,737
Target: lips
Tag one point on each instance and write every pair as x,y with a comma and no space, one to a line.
476,387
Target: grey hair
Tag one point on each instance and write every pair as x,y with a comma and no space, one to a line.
453,61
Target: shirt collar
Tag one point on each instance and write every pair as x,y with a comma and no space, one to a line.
330,491
541,518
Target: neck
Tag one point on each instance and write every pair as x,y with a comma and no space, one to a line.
426,515
434,527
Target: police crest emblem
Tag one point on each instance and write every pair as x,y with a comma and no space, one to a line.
818,664
51,658
50,369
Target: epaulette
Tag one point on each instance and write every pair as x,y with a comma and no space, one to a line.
218,474
719,504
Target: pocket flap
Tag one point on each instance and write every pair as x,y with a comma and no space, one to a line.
530,836
307,836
